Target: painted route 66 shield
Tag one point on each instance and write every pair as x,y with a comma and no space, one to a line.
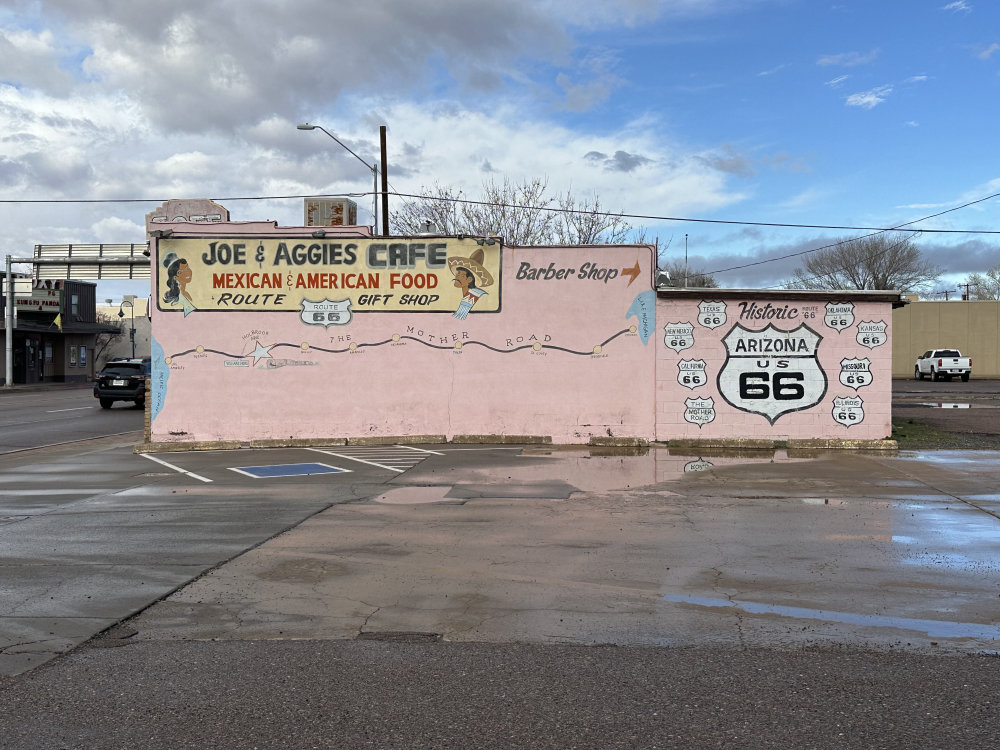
678,336
699,411
872,333
848,410
839,315
712,314
326,312
691,373
772,372
855,373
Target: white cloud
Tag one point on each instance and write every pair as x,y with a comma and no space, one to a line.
987,53
834,82
958,6
869,99
848,59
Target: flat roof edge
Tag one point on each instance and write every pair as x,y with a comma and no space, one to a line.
815,295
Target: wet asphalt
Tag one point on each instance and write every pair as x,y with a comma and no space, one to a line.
514,597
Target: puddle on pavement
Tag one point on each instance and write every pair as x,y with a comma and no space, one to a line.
558,472
933,628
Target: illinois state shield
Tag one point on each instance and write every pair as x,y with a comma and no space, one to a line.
772,372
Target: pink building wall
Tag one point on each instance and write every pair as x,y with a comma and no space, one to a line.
773,365
566,351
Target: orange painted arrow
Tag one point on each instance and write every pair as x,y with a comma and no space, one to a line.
632,272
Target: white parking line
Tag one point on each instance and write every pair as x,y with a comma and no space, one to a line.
396,458
175,468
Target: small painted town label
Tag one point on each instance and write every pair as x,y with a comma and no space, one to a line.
848,410
326,312
855,373
872,333
699,465
678,336
772,372
691,373
839,315
699,411
712,314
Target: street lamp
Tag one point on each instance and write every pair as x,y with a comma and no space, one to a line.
372,167
131,331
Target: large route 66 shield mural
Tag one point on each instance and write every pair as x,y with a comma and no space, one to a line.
772,372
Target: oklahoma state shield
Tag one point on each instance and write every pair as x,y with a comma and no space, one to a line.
772,372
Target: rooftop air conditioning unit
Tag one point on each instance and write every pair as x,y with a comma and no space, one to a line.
330,212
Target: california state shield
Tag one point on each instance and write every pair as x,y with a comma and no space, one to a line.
691,373
326,312
772,372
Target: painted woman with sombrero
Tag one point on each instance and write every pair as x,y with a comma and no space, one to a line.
470,276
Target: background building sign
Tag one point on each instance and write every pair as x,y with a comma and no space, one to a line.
336,276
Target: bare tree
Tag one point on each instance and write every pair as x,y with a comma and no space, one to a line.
682,275
521,213
880,261
587,223
984,285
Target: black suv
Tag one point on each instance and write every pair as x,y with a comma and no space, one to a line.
122,380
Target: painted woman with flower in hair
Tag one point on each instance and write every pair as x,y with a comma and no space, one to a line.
179,274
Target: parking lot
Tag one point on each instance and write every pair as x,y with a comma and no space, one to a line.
860,575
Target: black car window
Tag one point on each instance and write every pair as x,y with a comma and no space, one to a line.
125,369
948,353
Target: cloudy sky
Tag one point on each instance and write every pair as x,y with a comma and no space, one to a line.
708,120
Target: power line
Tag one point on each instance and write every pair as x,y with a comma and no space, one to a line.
648,217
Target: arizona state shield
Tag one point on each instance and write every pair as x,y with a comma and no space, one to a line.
772,372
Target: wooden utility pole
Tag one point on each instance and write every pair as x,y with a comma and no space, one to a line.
385,184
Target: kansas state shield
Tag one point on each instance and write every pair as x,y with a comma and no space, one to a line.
855,373
872,333
772,372
326,312
691,373
699,411
678,336
712,314
839,315
848,410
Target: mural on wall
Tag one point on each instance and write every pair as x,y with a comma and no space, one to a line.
771,371
770,359
352,315
328,278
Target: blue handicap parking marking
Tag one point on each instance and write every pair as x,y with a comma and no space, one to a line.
287,470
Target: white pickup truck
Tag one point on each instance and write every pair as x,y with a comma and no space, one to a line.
942,363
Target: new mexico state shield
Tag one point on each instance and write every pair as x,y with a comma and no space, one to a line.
326,312
772,372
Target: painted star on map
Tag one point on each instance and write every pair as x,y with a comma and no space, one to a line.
261,352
